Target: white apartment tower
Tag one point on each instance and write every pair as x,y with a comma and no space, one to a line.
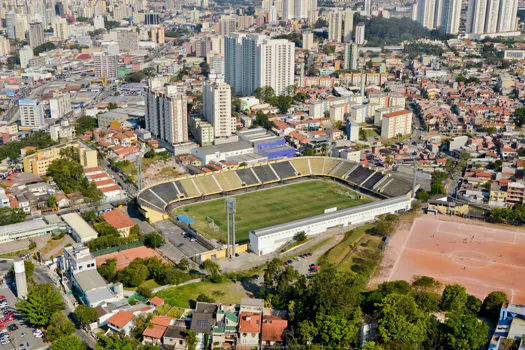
31,114
167,116
105,65
308,41
476,14
340,25
60,105
217,108
451,18
491,16
360,34
254,60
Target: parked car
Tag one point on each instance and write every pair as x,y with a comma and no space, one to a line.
13,327
286,262
3,325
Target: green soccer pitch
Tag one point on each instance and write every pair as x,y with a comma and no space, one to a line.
270,207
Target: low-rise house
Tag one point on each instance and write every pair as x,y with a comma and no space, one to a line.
122,321
175,336
225,330
273,328
203,321
249,330
120,221
154,333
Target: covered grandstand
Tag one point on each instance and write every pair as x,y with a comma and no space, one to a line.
154,199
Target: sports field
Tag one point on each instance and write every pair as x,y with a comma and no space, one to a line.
271,207
480,256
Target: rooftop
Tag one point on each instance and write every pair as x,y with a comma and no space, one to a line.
80,226
118,219
121,318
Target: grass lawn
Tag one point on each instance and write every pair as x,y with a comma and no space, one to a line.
358,252
271,207
225,292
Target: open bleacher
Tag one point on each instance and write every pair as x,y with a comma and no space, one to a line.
207,185
359,174
372,180
317,165
329,164
228,180
247,177
301,165
343,168
166,191
189,188
265,173
156,197
285,170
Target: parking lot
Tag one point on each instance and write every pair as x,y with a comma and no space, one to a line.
22,338
177,246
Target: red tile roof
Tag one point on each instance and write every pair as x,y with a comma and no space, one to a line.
121,318
156,331
156,301
161,320
118,219
250,322
273,328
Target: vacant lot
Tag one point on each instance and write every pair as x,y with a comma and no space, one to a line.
480,256
225,292
271,207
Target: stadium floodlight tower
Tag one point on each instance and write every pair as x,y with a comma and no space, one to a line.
20,279
140,179
231,209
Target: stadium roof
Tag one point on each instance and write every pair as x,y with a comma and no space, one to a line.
327,216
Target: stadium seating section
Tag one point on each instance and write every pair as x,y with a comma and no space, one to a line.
284,169
301,165
247,177
265,173
158,196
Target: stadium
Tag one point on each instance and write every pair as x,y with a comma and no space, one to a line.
161,200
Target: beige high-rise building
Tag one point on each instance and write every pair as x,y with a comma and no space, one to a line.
227,25
157,35
308,41
255,60
217,108
5,47
61,29
396,123
167,116
36,34
127,39
340,25
105,65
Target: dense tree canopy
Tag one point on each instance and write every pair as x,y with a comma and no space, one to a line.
492,303
60,326
10,216
43,300
69,342
69,176
39,139
85,314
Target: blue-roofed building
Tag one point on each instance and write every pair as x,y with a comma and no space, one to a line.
267,144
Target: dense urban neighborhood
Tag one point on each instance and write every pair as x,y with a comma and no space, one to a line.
262,174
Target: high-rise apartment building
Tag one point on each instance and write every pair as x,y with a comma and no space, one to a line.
60,105
308,41
106,65
36,34
61,29
351,56
254,60
217,108
167,116
340,25
288,9
227,25
158,36
426,10
5,47
26,53
396,123
451,17
360,33
31,114
127,39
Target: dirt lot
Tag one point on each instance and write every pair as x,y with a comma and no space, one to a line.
480,256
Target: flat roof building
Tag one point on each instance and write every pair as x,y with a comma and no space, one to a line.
80,229
35,227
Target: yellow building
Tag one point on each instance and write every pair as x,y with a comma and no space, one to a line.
448,205
38,163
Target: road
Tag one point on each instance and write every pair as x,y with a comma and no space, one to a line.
177,246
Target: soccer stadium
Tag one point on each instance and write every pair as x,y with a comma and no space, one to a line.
268,194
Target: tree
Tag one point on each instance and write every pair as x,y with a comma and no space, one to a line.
307,331
337,331
300,237
464,332
84,124
133,276
153,240
454,298
69,342
60,326
211,266
43,48
401,319
69,176
11,216
108,270
264,93
43,300
184,263
135,230
191,339
115,342
423,196
492,303
110,106
85,314
52,201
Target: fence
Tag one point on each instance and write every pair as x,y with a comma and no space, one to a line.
117,248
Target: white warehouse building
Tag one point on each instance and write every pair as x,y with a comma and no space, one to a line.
269,239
